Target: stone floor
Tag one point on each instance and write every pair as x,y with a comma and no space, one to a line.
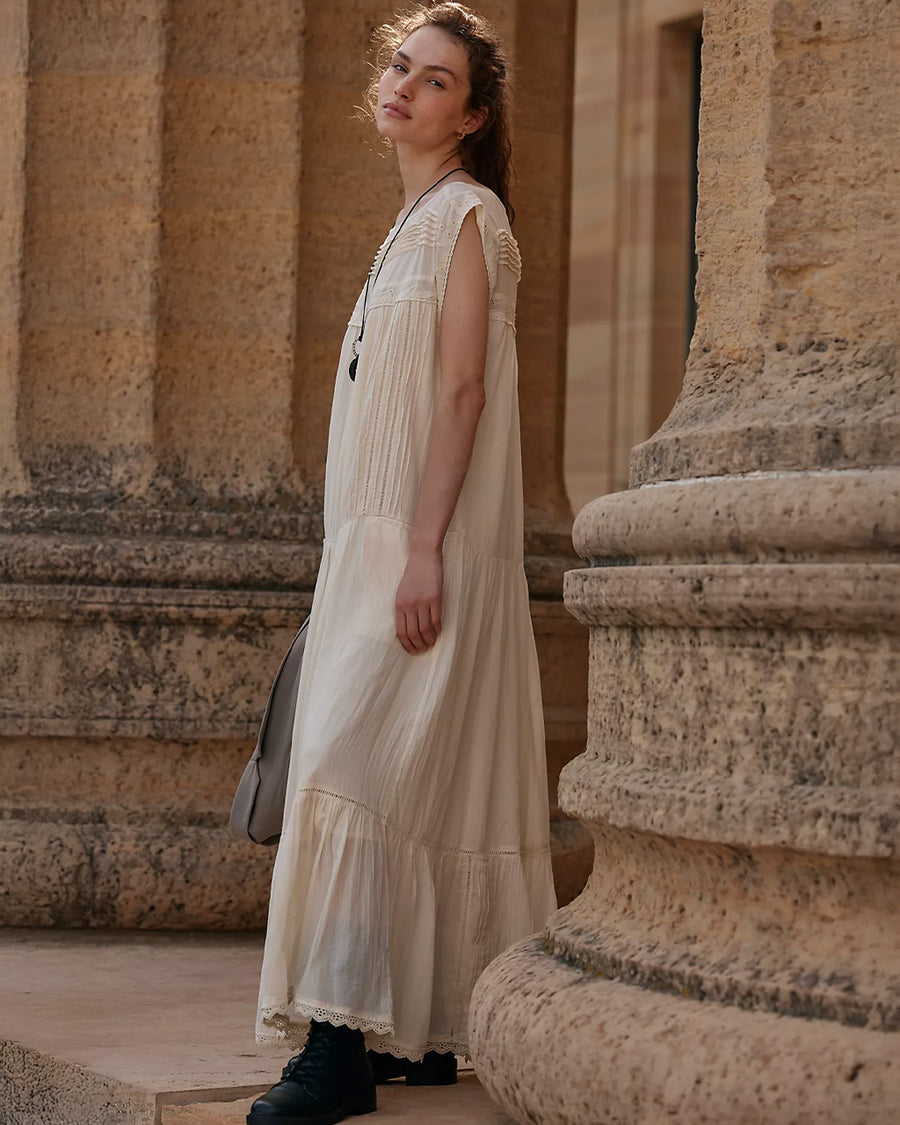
143,1028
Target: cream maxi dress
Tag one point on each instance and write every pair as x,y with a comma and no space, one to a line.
415,844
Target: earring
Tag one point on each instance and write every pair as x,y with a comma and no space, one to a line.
461,136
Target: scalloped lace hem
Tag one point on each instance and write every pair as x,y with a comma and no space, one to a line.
285,1032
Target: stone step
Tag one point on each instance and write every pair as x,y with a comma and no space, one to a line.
156,1028
466,1103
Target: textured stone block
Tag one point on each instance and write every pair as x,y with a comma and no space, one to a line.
95,142
117,36
35,1088
243,39
132,831
219,132
146,663
126,833
637,1056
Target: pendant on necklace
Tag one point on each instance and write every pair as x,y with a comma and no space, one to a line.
355,360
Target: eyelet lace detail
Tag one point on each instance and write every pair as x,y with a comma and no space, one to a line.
442,1046
286,1032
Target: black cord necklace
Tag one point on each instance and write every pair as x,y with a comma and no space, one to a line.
358,340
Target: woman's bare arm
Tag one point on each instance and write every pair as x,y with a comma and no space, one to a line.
460,401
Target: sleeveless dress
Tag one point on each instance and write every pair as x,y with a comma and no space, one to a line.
415,843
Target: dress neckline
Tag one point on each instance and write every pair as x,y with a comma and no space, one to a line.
424,206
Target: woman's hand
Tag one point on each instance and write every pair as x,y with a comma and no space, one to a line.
418,601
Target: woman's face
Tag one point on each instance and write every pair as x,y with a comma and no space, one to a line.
422,95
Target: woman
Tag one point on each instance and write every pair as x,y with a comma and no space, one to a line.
416,834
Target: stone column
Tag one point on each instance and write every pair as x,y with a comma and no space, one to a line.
13,97
183,208
735,951
157,545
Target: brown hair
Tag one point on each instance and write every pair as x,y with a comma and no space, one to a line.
485,154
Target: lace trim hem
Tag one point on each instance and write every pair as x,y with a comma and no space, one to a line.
286,1032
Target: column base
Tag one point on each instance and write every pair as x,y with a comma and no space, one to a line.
554,1045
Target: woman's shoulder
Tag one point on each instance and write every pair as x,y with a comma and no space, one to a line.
461,194
496,233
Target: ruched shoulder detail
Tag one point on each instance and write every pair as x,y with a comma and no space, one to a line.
508,253
417,261
501,251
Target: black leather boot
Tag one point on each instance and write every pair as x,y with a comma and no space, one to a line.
434,1069
329,1080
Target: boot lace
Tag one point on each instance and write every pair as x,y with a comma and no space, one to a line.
311,1054
291,1066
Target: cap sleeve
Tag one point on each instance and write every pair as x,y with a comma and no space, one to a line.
498,245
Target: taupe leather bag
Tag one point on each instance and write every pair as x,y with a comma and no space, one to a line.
258,808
